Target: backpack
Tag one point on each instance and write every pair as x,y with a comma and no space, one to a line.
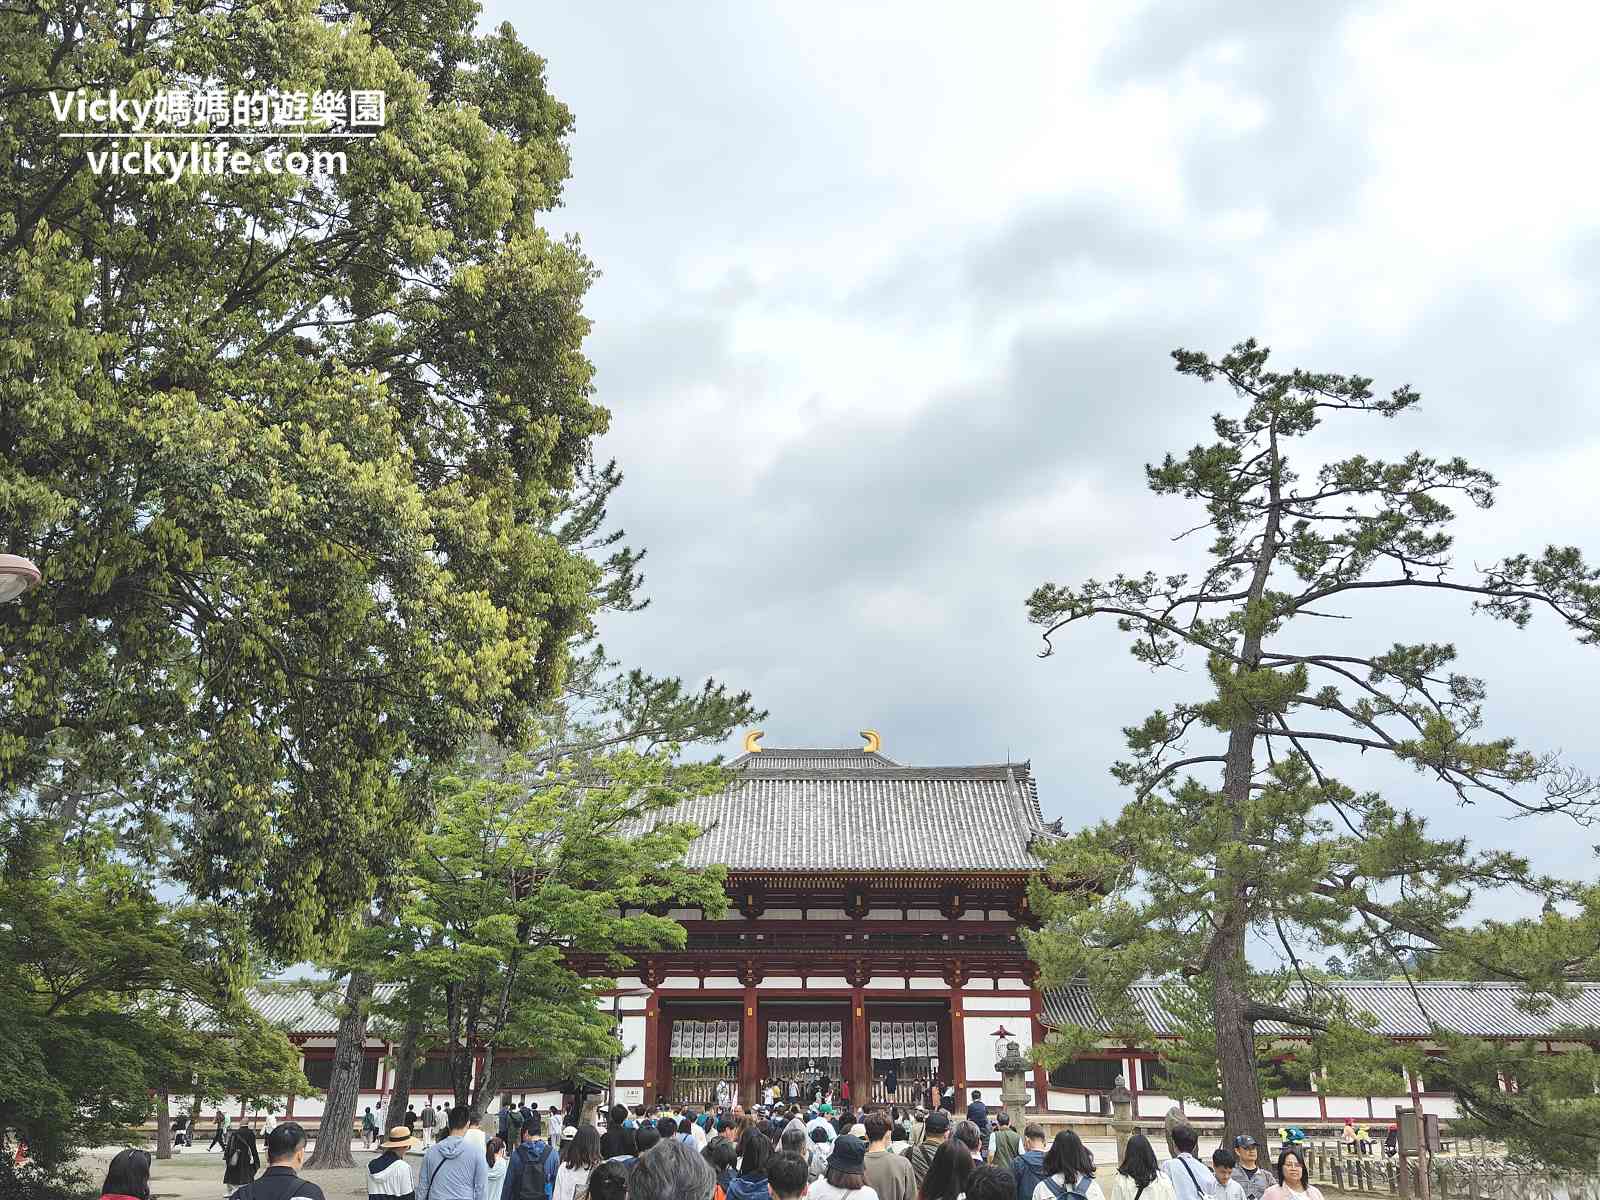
1060,1192
530,1174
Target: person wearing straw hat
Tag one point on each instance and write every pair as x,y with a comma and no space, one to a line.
390,1174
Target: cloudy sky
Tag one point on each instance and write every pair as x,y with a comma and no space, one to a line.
889,292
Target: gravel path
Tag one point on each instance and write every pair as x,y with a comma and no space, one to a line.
196,1174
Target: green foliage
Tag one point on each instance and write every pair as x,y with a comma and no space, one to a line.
1240,831
299,457
530,887
32,1181
1548,1114
101,983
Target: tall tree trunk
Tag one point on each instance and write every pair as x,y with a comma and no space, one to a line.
405,1066
163,1125
344,1086
483,1092
1228,967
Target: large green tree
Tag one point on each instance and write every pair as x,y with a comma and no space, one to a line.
530,890
113,995
296,454
1240,832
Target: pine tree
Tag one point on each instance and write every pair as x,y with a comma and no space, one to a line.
1239,827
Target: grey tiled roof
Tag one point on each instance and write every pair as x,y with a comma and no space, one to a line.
796,810
297,1009
1473,1009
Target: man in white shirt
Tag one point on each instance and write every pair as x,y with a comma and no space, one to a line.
1191,1179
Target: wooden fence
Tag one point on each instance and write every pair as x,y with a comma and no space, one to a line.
1461,1175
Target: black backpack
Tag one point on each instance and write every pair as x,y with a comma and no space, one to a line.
530,1175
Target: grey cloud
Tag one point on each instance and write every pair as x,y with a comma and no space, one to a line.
872,571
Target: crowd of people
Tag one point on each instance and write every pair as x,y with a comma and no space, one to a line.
769,1152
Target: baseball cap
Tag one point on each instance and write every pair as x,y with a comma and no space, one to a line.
1244,1142
569,1133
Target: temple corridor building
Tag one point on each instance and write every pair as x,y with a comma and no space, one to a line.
871,946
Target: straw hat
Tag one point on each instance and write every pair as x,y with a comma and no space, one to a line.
399,1136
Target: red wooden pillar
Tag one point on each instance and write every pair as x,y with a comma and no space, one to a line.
860,1052
1041,1077
652,1044
749,1035
956,976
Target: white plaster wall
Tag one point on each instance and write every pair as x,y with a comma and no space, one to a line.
826,914
310,1106
923,983
1298,1108
784,914
975,915
992,1002
1154,1104
1346,1106
782,981
1014,985
827,981
722,981
1445,1106
629,1095
680,981
1383,1106
886,981
629,982
1200,1110
885,914
685,914
632,1066
633,1003
980,1048
320,1042
925,914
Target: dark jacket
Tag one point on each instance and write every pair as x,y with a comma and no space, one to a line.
241,1157
617,1141
978,1114
1028,1170
279,1183
525,1173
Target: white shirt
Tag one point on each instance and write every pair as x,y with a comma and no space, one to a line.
821,1189
1041,1190
1124,1188
1191,1179
569,1180
393,1180
497,1178
1233,1190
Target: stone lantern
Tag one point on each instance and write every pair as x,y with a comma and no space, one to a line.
1014,1070
1121,1115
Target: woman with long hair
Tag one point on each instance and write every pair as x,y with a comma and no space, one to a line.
755,1151
495,1151
1294,1179
1139,1176
1069,1167
947,1173
580,1156
128,1177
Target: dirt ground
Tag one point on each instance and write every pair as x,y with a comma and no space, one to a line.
196,1174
